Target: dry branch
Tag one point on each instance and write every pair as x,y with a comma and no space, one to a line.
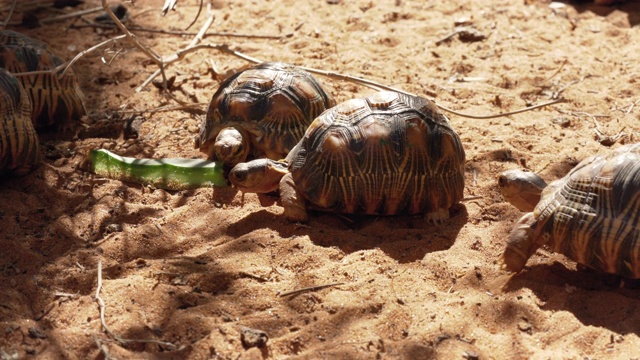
147,51
70,15
379,86
120,340
311,288
66,65
183,33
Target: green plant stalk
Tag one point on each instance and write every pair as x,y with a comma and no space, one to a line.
170,174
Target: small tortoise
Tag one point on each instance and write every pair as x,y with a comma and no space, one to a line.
592,215
19,150
263,110
386,154
56,101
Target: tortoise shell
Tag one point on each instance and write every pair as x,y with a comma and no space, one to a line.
273,102
592,216
19,150
56,101
386,154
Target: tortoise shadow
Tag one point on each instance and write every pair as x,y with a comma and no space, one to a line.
630,8
405,238
593,297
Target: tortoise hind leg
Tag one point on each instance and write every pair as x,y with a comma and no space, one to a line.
292,200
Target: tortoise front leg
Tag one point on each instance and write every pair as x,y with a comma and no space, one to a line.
292,200
438,216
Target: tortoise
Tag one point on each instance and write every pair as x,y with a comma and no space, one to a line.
57,102
386,154
592,215
261,111
19,149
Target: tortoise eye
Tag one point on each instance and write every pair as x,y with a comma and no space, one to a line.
502,181
238,176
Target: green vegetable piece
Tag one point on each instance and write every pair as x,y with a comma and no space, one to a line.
170,174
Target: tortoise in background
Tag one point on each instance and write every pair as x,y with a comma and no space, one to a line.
57,102
261,111
19,149
386,154
592,215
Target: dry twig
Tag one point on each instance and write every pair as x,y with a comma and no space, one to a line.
307,289
70,15
179,54
66,65
147,51
379,86
183,33
122,341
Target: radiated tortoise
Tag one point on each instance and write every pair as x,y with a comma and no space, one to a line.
261,111
592,215
386,154
57,101
19,150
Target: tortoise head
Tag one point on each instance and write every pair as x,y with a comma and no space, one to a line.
521,188
258,176
521,244
231,146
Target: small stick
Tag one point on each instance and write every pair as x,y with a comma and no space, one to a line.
83,53
70,15
163,109
63,294
181,53
501,114
150,53
562,89
67,65
447,37
45,313
469,198
178,55
379,86
168,5
253,276
197,15
207,24
103,305
103,348
557,71
631,107
120,340
307,289
184,33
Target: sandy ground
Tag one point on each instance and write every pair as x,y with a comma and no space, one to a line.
185,273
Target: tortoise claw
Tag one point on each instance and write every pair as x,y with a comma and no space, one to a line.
438,217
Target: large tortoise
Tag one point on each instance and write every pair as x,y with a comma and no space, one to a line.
261,111
57,101
19,150
386,154
592,215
